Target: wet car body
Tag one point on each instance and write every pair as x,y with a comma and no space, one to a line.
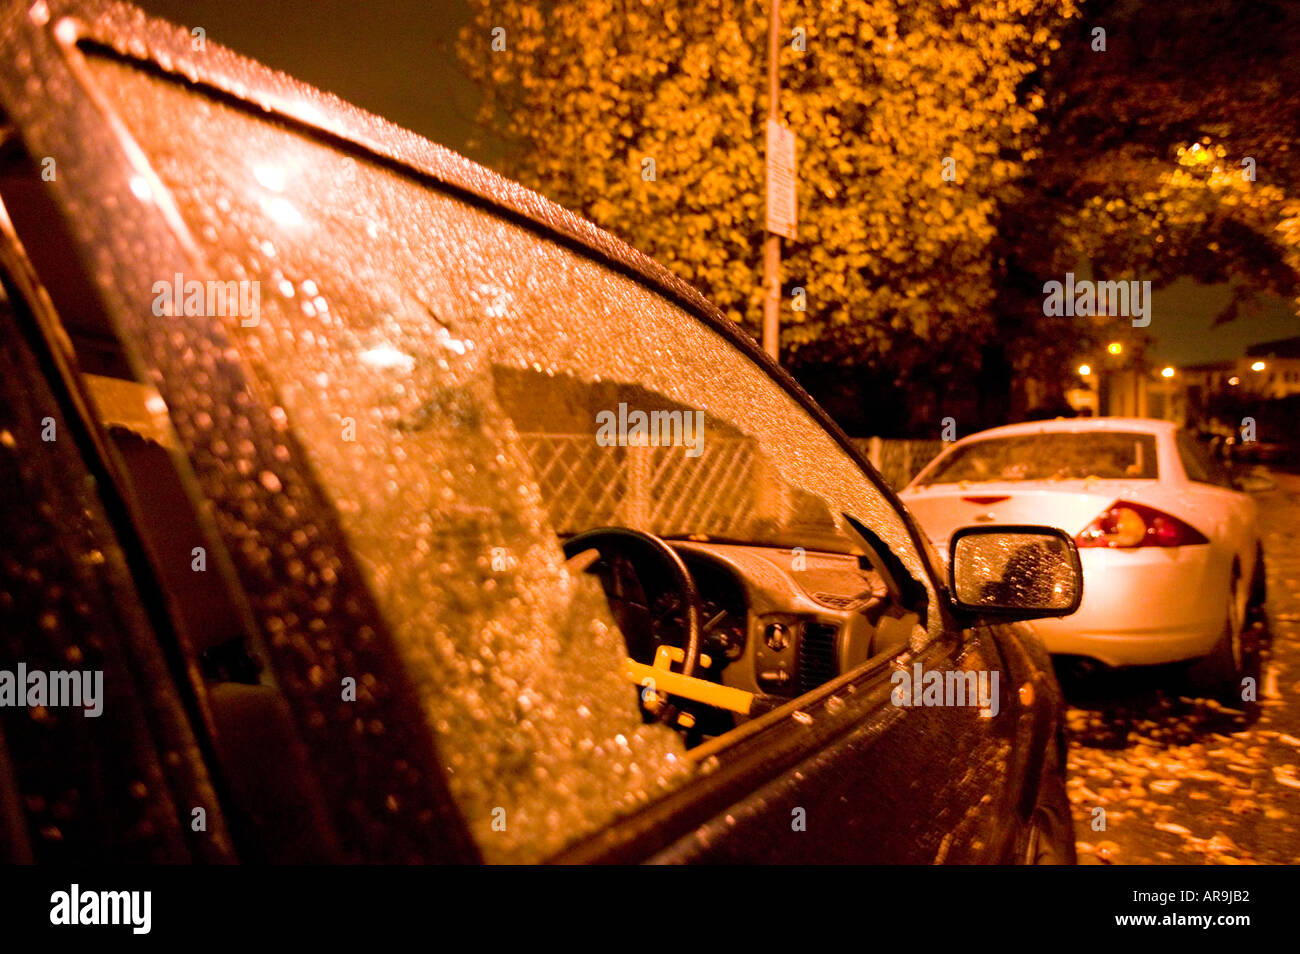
340,651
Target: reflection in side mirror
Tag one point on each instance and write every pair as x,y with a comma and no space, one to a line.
1015,572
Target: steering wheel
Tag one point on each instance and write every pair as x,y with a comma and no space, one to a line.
685,596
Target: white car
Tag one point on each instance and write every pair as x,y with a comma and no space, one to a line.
1171,553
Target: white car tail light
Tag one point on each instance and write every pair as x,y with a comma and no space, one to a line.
1129,525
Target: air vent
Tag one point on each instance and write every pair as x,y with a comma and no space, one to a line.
818,655
839,602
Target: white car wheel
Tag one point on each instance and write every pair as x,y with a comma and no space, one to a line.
1220,671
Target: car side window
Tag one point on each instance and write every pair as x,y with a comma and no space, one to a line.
1199,466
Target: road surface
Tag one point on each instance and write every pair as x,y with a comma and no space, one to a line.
1158,776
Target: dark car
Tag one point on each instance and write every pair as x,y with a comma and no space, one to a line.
407,517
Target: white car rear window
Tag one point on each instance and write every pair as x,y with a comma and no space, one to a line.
1063,455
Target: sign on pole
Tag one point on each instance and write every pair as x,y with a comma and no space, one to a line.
780,180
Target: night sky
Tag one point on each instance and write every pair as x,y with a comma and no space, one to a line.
397,58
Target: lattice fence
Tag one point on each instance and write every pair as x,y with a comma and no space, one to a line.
661,489
657,488
897,460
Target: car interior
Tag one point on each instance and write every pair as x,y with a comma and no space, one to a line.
774,623
730,604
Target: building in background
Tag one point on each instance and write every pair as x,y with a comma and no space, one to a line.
1268,370
1119,381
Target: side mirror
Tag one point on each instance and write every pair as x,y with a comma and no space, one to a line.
1014,572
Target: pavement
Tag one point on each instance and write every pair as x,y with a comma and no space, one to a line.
1160,776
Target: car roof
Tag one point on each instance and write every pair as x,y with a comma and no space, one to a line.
1074,425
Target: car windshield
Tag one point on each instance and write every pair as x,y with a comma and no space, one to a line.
465,391
1061,455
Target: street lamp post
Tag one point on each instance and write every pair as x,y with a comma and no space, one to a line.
772,245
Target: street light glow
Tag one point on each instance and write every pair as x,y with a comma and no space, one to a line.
1167,373
1115,348
1258,366
1085,370
1234,381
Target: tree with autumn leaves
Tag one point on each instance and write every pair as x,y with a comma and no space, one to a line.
934,194
1166,149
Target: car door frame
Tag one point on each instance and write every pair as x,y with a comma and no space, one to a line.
749,782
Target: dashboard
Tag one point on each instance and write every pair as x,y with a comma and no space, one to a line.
772,623
780,622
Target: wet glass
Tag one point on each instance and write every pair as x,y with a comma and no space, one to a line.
466,391
1009,570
